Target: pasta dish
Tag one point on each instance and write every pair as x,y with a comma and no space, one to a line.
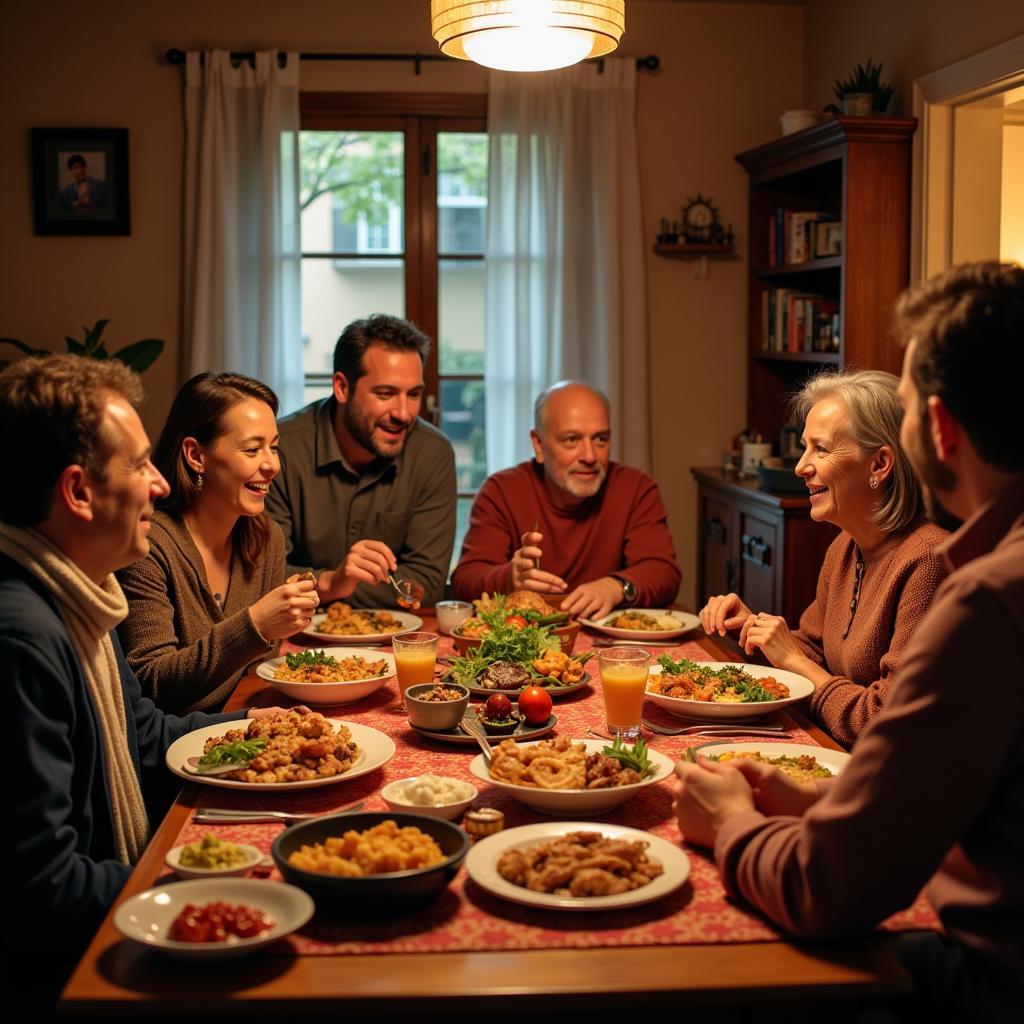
343,620
690,680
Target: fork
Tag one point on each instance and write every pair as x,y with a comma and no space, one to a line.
714,730
225,815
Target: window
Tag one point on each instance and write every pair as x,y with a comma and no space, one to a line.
394,209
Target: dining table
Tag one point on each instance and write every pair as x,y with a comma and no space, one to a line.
474,951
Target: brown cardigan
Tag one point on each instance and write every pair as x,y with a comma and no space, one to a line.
900,577
187,651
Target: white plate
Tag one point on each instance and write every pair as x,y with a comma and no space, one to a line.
482,866
576,801
375,749
407,620
707,711
686,623
834,760
331,693
146,918
252,857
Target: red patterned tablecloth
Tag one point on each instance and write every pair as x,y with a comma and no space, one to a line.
466,917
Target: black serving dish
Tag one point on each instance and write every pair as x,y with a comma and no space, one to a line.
394,891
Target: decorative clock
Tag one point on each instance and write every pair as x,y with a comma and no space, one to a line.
700,221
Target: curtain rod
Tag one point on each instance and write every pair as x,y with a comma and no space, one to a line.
175,56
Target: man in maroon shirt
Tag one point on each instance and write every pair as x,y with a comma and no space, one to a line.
934,792
597,527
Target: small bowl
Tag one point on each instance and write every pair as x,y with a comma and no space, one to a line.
435,715
502,728
797,120
397,890
451,613
252,857
449,812
565,635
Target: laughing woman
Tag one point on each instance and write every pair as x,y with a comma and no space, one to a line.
210,596
879,574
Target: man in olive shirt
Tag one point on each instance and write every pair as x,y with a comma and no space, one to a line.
366,487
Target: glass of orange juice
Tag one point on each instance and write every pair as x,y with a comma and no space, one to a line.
415,658
623,681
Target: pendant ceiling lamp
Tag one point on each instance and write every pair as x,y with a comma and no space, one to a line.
527,35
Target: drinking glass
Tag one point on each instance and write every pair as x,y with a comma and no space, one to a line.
624,673
415,659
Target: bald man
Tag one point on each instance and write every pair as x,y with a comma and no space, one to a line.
570,521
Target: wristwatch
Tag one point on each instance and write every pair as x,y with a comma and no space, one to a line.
629,594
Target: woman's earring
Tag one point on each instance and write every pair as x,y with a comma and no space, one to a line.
874,483
199,481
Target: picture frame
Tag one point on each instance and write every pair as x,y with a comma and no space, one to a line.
80,181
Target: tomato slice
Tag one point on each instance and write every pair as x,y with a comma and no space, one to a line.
516,621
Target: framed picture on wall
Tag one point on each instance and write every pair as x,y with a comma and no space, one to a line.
80,181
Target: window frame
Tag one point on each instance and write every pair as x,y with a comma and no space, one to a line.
420,116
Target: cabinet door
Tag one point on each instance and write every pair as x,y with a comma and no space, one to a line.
717,563
759,551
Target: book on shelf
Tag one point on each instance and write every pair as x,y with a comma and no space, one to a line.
795,321
799,236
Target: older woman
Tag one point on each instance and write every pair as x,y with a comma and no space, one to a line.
878,575
210,596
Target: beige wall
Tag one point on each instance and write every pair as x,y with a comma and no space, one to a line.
911,38
1011,227
728,71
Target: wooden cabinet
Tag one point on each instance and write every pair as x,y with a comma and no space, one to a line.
761,545
856,170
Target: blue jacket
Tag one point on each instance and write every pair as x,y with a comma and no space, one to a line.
59,858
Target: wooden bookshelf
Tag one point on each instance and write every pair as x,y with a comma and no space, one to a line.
856,169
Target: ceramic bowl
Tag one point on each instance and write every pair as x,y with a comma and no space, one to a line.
252,857
394,891
392,795
435,715
451,613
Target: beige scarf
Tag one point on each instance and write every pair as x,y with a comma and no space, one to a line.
90,612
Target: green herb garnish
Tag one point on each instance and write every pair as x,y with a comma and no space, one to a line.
732,678
310,659
634,757
240,752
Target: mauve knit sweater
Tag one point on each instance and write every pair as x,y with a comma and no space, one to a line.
901,575
188,651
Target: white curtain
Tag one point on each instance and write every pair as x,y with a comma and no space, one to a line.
242,287
565,293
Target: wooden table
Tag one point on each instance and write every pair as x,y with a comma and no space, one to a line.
116,979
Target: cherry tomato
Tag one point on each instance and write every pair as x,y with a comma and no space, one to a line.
516,621
535,705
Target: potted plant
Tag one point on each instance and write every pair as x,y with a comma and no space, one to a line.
863,92
137,356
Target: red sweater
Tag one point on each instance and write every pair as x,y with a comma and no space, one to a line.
621,530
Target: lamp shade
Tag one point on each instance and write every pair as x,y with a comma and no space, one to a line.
527,35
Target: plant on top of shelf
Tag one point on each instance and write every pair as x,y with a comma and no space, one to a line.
137,356
865,80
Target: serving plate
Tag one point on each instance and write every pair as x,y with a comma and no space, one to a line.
686,623
482,866
331,693
554,690
459,738
707,711
146,918
834,760
375,749
408,621
576,801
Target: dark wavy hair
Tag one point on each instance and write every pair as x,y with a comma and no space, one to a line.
198,411
52,413
968,323
392,332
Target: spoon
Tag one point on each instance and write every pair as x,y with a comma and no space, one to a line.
410,593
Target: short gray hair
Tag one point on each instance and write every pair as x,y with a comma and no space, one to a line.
875,415
542,400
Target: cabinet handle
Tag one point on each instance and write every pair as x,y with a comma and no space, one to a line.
755,549
714,527
731,581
